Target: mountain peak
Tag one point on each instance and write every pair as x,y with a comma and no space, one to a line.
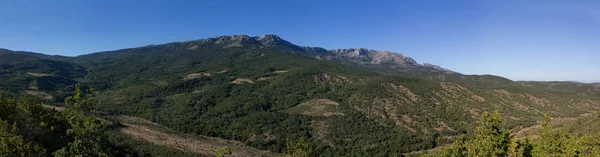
272,40
241,37
385,56
269,37
357,55
352,52
238,40
437,67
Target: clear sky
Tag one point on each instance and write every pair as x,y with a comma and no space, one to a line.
517,39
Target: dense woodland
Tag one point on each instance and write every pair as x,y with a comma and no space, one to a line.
490,138
28,129
245,93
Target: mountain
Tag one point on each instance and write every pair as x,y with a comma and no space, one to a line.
361,56
437,67
566,86
35,73
263,90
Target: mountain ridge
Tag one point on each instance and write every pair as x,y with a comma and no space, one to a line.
262,91
266,41
356,55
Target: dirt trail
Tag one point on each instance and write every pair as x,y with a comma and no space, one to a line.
242,81
436,149
57,108
39,94
205,145
280,71
142,129
526,131
196,75
38,74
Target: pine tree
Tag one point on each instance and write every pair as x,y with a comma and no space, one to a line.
224,151
86,129
519,148
589,145
298,148
490,138
12,144
553,143
457,149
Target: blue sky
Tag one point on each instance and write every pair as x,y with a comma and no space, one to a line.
517,39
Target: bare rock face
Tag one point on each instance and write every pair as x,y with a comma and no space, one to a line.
360,52
369,56
314,49
390,57
437,67
271,40
232,41
361,56
241,41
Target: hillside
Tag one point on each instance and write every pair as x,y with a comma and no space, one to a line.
569,87
49,77
263,90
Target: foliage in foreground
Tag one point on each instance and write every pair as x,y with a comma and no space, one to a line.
298,148
28,129
491,139
224,151
151,82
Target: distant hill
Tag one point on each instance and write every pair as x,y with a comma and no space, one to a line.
571,87
263,90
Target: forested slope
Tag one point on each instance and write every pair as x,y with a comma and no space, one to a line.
261,93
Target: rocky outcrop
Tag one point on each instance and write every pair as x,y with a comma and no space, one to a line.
360,52
369,56
271,40
437,67
394,58
361,56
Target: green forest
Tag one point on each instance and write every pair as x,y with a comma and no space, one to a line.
29,129
490,138
277,99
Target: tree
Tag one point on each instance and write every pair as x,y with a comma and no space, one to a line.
553,143
589,145
13,145
519,148
78,104
298,148
224,151
490,138
86,129
457,149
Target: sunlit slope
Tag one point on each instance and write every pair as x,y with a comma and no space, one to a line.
245,90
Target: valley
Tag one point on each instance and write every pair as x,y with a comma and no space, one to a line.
255,94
